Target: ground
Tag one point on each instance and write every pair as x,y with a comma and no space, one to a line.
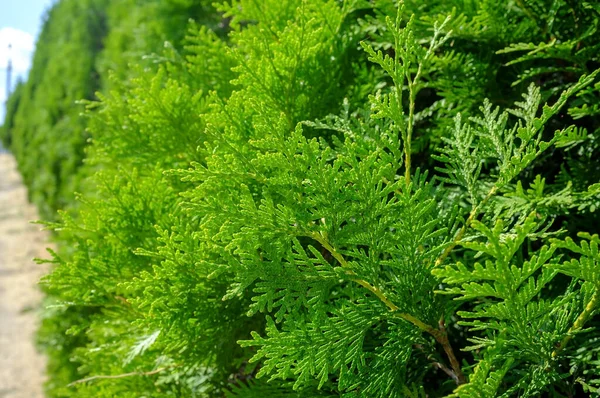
21,366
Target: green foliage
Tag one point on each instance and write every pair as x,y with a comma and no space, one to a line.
46,119
303,198
12,104
81,45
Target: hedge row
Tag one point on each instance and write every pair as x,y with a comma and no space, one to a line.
317,198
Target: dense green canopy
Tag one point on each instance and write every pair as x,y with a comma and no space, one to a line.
302,198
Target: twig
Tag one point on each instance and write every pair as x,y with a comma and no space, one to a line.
581,320
443,340
412,93
92,378
463,230
527,11
440,335
437,364
446,370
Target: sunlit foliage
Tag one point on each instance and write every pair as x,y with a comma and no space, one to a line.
303,198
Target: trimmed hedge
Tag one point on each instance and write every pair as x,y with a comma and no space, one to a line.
317,198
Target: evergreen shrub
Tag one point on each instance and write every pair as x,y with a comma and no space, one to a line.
304,198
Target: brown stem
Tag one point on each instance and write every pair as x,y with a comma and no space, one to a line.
446,370
437,364
443,340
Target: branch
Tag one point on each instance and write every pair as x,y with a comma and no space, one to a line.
581,320
461,233
440,334
443,340
446,370
92,378
411,121
527,11
437,364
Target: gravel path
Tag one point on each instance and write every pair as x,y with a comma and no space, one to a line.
21,367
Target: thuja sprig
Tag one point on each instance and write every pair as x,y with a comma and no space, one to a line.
406,70
440,334
491,139
585,268
580,321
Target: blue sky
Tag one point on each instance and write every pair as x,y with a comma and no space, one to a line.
20,23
